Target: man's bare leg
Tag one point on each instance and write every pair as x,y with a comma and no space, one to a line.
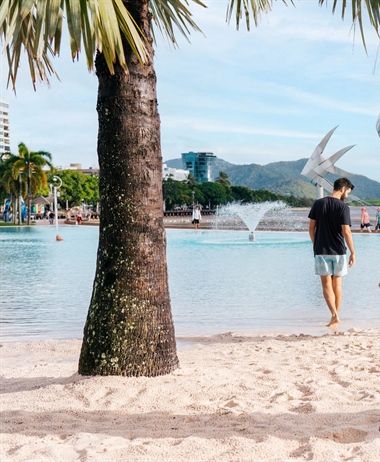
337,288
330,298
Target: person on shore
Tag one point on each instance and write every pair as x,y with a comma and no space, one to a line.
51,217
197,217
330,232
377,220
365,222
79,218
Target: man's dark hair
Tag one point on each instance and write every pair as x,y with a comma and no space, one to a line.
343,183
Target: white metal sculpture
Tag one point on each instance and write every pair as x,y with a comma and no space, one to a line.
378,125
317,167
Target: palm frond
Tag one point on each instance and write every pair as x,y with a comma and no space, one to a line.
359,8
36,27
248,8
73,17
171,14
21,28
372,8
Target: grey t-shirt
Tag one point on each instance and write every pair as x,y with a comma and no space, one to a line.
330,214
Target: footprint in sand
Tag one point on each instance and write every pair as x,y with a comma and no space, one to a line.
350,435
304,408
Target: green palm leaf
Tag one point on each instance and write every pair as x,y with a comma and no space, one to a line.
36,26
170,13
248,7
372,7
357,7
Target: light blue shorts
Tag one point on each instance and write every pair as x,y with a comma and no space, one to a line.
330,265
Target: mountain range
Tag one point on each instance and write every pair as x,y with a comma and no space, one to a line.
282,178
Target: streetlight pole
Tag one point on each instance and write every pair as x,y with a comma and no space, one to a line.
19,201
56,178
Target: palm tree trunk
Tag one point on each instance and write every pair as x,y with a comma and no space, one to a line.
129,329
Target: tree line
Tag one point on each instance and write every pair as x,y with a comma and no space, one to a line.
179,194
30,173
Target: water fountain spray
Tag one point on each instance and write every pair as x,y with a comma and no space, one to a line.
237,215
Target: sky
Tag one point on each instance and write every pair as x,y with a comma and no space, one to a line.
260,96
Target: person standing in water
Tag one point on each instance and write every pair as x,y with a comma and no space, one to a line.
377,220
364,220
197,217
330,232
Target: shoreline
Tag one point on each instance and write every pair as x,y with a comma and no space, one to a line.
234,398
293,219
204,228
289,220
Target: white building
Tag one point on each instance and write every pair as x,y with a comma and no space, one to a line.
93,170
174,173
5,144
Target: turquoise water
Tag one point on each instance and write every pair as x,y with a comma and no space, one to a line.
219,281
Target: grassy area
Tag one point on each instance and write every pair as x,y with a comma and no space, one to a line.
2,223
373,202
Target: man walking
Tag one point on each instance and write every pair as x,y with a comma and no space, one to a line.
330,231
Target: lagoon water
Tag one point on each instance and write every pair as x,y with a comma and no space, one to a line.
219,282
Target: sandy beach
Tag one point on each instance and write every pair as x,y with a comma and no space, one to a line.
234,398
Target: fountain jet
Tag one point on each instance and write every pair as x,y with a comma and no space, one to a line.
232,215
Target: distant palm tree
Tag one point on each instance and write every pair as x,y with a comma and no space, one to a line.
223,179
129,328
12,186
23,174
33,164
190,179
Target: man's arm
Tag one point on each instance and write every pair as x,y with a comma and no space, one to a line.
312,227
346,229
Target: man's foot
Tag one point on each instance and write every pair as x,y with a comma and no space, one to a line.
334,320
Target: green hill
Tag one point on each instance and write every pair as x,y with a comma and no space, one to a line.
282,178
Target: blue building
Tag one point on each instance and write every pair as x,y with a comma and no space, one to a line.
198,164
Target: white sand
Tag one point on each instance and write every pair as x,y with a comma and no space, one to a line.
234,398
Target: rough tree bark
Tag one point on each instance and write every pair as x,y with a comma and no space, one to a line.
129,329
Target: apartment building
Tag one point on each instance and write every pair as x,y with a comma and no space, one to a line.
174,173
198,164
5,144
